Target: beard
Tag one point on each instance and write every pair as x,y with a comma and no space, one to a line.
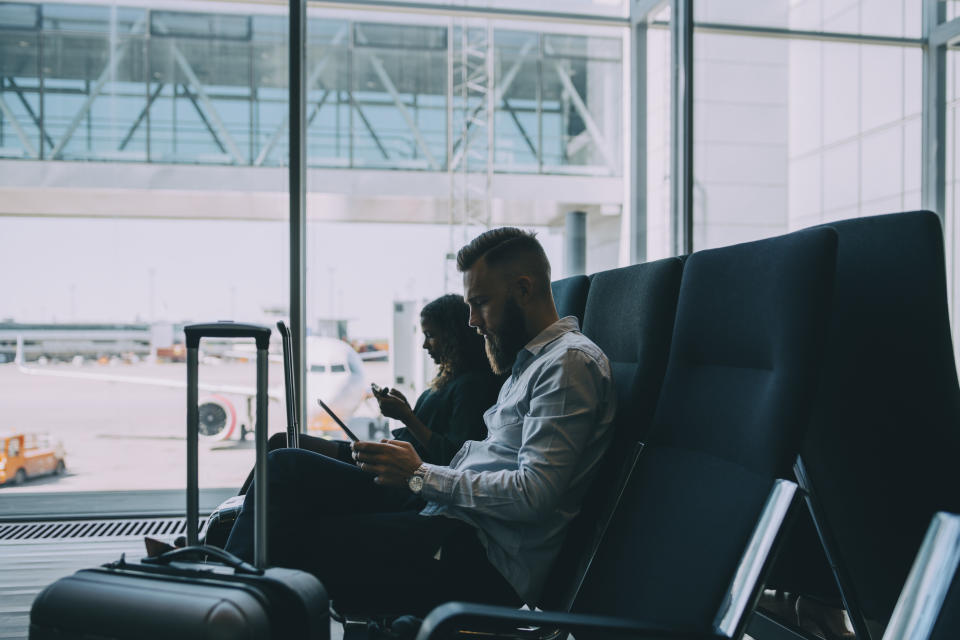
505,343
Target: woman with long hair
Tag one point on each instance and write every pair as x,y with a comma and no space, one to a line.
450,411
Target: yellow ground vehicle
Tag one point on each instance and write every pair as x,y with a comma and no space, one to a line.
25,455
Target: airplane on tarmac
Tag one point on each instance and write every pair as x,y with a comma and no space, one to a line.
334,373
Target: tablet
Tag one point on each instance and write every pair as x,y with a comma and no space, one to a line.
336,418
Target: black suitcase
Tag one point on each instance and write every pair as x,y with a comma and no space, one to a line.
175,595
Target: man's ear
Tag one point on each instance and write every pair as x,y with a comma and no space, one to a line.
523,290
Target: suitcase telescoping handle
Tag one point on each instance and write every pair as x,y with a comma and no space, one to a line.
293,427
224,329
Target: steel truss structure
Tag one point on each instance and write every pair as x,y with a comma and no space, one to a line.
471,113
180,103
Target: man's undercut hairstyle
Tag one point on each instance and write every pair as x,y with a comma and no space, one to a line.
506,245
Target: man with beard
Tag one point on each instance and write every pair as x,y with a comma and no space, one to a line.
396,534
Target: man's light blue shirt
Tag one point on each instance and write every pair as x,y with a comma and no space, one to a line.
521,486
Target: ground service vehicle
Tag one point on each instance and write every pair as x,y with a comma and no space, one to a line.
25,455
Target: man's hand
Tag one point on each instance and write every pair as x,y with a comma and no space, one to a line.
394,405
392,462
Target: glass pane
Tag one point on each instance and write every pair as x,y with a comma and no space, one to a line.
269,54
202,112
792,133
517,125
659,220
94,90
105,339
93,19
580,97
20,110
18,16
951,226
740,146
180,24
397,94
952,8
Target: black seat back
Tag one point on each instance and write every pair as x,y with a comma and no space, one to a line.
629,314
570,296
742,370
881,455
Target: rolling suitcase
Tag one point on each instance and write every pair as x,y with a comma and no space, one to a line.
175,595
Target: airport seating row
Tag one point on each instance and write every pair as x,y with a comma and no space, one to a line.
822,357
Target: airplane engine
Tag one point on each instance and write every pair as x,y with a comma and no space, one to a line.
218,418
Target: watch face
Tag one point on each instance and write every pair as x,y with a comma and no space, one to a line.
416,484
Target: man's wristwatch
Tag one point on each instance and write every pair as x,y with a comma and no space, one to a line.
415,482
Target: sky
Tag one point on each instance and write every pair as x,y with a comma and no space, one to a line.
114,270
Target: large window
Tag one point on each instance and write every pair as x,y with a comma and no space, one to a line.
143,185
659,222
791,133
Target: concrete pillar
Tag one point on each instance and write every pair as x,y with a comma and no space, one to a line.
575,244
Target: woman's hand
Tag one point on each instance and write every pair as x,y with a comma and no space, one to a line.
392,462
394,405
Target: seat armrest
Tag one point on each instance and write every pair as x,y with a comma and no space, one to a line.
453,616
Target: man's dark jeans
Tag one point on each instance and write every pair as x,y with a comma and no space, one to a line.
367,543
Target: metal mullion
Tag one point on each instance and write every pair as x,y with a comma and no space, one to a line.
449,111
350,72
934,114
637,204
539,103
681,130
490,99
252,75
146,78
40,87
89,119
298,198
448,164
